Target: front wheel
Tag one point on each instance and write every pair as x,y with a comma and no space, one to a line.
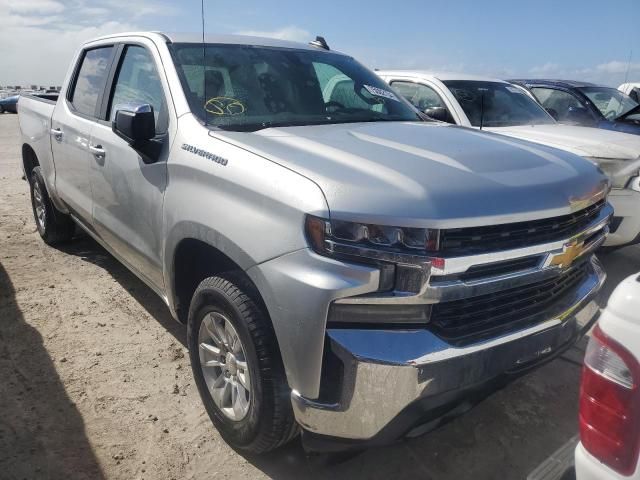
237,366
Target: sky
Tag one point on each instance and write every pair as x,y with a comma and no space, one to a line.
592,40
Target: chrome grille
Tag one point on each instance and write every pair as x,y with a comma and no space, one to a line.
508,309
516,235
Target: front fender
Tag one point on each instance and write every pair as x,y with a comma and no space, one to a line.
197,231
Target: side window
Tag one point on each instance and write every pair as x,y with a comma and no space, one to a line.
556,102
420,96
90,81
138,81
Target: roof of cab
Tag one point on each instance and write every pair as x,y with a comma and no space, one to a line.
442,76
219,39
554,82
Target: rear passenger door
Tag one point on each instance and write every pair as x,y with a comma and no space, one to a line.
128,192
71,125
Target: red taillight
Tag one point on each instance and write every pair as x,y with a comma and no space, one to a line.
610,404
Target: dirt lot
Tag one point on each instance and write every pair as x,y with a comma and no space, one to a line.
96,383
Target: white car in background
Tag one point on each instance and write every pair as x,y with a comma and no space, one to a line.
500,107
609,443
631,89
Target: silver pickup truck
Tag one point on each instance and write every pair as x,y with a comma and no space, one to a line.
344,267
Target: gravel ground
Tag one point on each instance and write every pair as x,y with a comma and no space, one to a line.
96,380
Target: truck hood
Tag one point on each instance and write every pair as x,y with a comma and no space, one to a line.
583,141
427,174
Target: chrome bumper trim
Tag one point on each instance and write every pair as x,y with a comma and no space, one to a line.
386,370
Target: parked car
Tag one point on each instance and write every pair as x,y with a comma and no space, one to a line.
9,104
586,104
609,443
500,107
631,89
343,267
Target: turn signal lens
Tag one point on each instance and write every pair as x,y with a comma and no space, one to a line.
316,229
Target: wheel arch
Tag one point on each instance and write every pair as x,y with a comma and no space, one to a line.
194,252
29,159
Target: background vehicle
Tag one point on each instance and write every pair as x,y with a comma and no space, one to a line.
9,104
631,89
497,106
341,265
586,104
609,443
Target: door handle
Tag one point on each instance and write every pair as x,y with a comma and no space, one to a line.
56,133
98,152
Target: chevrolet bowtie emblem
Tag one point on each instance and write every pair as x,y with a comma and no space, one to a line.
566,258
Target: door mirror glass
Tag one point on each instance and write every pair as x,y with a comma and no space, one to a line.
134,123
438,113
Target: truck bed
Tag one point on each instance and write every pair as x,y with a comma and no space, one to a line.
34,115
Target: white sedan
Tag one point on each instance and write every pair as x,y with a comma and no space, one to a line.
609,418
500,107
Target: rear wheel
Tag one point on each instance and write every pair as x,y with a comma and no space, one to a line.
1,109
237,366
53,225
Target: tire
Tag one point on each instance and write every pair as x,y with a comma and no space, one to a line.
268,421
1,109
53,226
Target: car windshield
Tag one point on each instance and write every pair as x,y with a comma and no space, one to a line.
497,104
612,103
246,88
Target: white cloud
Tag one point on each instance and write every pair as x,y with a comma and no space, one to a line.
292,33
41,7
39,37
617,66
43,55
546,69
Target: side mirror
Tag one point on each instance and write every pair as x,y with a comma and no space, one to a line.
135,123
438,113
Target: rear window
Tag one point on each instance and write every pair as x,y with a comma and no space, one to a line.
91,79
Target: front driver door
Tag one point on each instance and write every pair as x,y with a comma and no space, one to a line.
127,192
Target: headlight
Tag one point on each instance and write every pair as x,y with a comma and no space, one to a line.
402,255
620,171
400,245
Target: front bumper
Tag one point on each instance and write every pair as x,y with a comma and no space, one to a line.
626,205
395,379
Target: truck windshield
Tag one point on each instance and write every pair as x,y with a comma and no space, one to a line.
504,105
612,103
246,88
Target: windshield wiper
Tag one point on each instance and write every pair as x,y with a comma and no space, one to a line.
254,127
